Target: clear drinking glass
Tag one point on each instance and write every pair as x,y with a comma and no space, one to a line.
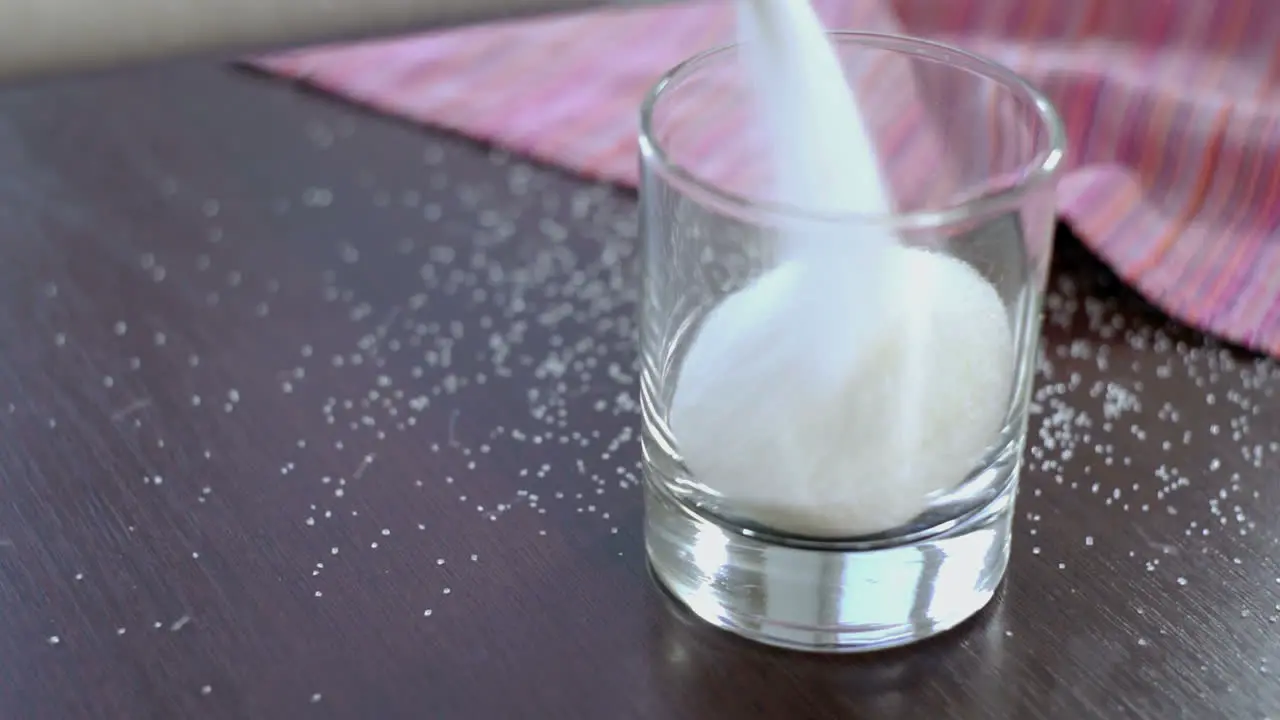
861,557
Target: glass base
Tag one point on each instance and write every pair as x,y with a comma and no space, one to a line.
828,600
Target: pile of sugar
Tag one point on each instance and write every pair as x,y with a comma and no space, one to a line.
841,390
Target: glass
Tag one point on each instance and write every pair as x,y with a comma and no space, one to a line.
765,545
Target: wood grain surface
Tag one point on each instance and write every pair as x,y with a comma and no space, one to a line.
309,414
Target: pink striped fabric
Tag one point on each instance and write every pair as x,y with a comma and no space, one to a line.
1172,108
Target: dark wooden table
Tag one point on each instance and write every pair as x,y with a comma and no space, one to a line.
309,414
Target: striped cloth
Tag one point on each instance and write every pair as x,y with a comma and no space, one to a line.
1172,108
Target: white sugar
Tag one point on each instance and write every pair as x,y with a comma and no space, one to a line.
839,391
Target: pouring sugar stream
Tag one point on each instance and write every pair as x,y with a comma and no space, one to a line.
839,392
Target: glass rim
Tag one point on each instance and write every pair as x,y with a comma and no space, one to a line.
1038,171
